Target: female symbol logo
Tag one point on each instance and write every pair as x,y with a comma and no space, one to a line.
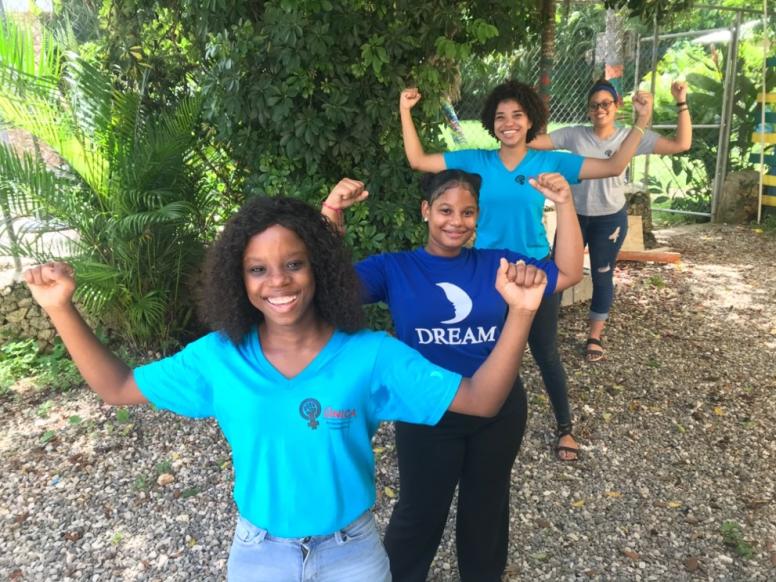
310,409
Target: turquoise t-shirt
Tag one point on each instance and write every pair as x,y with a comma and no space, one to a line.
510,208
301,447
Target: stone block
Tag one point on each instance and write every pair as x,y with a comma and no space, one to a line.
582,291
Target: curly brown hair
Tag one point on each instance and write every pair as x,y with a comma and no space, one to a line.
526,96
224,304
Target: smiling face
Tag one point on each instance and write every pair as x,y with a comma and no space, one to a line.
602,109
452,218
279,278
511,124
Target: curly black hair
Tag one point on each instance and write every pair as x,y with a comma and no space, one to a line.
224,304
434,185
526,96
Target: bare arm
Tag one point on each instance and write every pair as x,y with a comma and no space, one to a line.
569,247
345,194
416,155
52,286
605,168
543,141
522,287
682,141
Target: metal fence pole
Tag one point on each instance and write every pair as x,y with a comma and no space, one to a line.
728,98
655,39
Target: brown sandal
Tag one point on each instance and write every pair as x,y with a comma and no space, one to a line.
593,354
560,449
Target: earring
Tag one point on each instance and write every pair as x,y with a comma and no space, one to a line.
425,219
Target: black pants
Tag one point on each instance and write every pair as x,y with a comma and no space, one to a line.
543,340
475,453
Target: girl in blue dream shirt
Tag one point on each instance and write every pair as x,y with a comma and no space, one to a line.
296,385
444,306
511,211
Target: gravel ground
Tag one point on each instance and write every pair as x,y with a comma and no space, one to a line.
676,427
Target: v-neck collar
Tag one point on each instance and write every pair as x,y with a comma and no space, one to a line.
321,358
528,153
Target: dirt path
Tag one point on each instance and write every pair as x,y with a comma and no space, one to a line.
677,481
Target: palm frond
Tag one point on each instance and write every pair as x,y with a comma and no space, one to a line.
24,180
141,223
20,67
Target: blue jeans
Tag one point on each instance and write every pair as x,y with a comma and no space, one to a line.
353,554
603,236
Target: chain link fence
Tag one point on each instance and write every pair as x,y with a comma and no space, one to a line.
603,45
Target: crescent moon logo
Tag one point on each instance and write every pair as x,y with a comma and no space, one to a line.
460,300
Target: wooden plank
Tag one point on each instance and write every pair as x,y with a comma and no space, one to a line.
769,200
767,160
634,240
769,97
764,138
650,256
769,180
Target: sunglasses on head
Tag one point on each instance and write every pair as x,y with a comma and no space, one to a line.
603,105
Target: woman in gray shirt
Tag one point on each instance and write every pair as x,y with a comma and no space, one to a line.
601,204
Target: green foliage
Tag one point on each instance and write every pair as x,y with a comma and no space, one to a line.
703,66
141,483
17,360
769,223
22,359
131,192
647,10
44,409
303,93
657,281
123,416
733,536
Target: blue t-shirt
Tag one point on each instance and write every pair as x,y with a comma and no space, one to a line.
301,447
510,208
446,308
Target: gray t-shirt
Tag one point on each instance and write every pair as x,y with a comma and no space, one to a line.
605,195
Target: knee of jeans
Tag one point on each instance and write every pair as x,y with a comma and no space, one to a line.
603,272
247,533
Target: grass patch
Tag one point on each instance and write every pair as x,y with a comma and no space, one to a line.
733,537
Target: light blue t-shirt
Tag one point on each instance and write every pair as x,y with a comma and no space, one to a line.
510,208
447,308
301,447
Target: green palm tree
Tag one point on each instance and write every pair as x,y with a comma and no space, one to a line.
131,190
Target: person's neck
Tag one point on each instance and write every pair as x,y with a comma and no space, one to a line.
309,334
445,253
604,131
512,155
